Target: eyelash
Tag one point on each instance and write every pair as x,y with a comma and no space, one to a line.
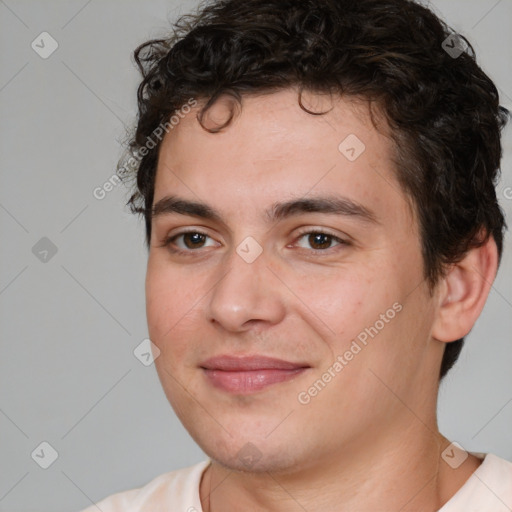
169,240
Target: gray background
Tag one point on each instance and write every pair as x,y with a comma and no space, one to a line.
69,325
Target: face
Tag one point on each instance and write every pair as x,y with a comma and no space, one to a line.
290,309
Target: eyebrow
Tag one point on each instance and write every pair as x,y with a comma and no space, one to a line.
334,205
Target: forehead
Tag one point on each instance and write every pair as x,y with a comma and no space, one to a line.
274,150
276,126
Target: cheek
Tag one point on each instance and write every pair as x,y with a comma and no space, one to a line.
346,302
171,304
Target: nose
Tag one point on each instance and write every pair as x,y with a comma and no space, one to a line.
248,294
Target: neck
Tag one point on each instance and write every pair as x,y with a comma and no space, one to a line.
406,474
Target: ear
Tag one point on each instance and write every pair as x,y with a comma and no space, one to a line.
463,291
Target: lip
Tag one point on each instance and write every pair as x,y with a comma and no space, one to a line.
230,363
248,374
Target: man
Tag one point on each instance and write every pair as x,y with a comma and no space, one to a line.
317,179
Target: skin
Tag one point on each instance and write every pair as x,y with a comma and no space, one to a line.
369,439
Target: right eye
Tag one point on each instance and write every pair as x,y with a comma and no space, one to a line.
186,241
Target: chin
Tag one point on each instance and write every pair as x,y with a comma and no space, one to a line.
249,454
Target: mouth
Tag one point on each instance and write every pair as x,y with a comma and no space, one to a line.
244,375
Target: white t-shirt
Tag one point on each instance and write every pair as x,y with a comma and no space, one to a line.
488,489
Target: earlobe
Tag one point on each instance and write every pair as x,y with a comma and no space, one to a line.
463,292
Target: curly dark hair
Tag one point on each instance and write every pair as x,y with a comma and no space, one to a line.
442,109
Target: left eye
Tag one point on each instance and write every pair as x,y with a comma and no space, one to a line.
318,240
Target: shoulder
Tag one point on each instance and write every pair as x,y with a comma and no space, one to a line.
179,488
488,489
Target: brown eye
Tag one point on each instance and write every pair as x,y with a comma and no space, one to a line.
193,240
319,241
187,241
